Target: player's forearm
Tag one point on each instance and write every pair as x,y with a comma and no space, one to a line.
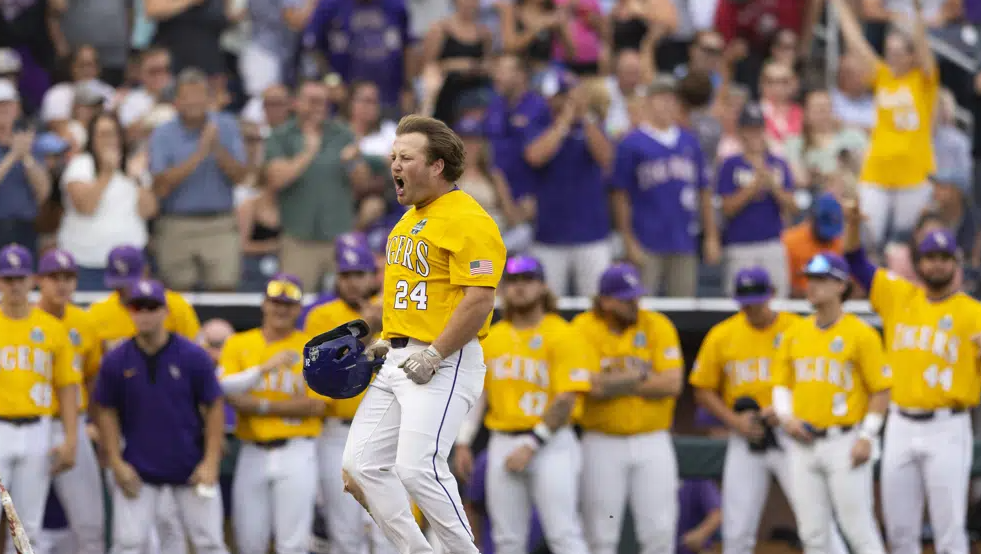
466,321
612,385
712,401
107,420
879,402
294,407
557,413
68,411
241,382
661,385
711,524
214,431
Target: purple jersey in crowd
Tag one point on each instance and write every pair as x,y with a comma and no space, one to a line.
507,130
664,182
475,493
759,220
697,498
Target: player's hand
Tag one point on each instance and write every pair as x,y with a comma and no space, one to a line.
795,428
861,451
421,366
280,360
712,249
62,458
749,426
519,458
694,540
769,416
463,462
377,350
127,479
206,473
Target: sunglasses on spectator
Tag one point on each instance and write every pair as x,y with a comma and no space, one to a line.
144,306
279,289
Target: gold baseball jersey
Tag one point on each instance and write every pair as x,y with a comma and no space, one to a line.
651,343
831,372
527,368
36,357
433,254
933,359
87,348
736,359
323,318
114,324
250,349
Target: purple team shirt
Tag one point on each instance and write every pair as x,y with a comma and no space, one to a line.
697,498
759,220
476,493
574,189
157,399
508,129
663,183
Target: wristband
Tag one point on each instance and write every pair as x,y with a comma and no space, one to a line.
541,432
871,425
263,406
432,350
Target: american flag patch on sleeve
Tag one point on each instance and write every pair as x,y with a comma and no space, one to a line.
481,267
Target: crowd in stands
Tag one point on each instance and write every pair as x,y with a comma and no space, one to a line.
233,140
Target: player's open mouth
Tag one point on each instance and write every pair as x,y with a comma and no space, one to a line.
399,186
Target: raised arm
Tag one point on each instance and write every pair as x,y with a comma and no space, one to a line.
921,44
862,270
854,37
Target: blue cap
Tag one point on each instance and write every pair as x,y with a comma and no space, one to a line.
126,266
144,290
469,127
827,264
751,116
49,143
938,241
621,281
16,261
753,286
524,265
358,258
56,261
829,219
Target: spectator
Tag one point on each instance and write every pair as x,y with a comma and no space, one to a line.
274,33
365,41
102,28
706,54
529,31
141,109
24,183
569,148
662,198
190,32
25,29
270,110
784,118
954,203
86,104
784,48
10,66
894,176
699,515
196,160
814,155
107,201
695,97
314,165
375,134
631,21
628,75
821,232
731,104
757,190
582,26
935,13
84,69
852,102
260,230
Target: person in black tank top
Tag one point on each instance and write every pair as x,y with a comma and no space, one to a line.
529,29
458,45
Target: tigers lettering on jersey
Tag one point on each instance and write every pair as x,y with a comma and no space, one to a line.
324,318
832,372
114,324
409,253
36,358
933,359
736,358
653,344
528,368
88,351
662,170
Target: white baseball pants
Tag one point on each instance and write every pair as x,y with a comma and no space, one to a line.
273,495
641,469
80,493
400,439
932,457
550,484
167,533
830,488
134,518
343,515
25,468
745,487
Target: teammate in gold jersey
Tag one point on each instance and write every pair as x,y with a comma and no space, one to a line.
931,336
79,489
535,382
628,453
831,391
36,363
443,261
127,264
900,157
733,379
355,286
278,417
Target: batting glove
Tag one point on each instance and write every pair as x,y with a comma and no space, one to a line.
377,350
421,366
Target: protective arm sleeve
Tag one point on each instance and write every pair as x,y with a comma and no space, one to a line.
242,382
862,269
783,403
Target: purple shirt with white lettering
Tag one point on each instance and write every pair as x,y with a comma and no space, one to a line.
158,399
507,129
664,183
476,493
364,40
759,220
697,498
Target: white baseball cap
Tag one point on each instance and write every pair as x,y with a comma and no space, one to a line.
8,92
9,61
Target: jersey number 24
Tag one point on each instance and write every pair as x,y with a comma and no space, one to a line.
418,294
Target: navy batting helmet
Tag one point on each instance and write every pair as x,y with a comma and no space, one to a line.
334,364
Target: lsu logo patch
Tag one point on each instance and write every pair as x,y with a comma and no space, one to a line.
776,340
37,335
75,337
837,345
640,340
417,228
672,353
175,372
535,343
946,323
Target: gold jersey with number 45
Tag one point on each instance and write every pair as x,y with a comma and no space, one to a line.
433,254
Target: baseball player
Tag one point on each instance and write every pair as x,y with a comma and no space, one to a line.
444,260
355,286
80,488
830,393
628,454
275,483
158,394
36,363
931,336
535,380
733,381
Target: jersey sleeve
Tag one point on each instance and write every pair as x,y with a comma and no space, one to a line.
108,391
783,374
707,372
873,368
65,372
667,353
477,256
568,367
230,363
889,292
185,318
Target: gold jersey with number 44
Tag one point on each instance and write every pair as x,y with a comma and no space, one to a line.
433,254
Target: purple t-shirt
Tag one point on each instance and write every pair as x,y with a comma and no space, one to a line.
664,183
157,399
697,498
759,220
476,493
506,128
